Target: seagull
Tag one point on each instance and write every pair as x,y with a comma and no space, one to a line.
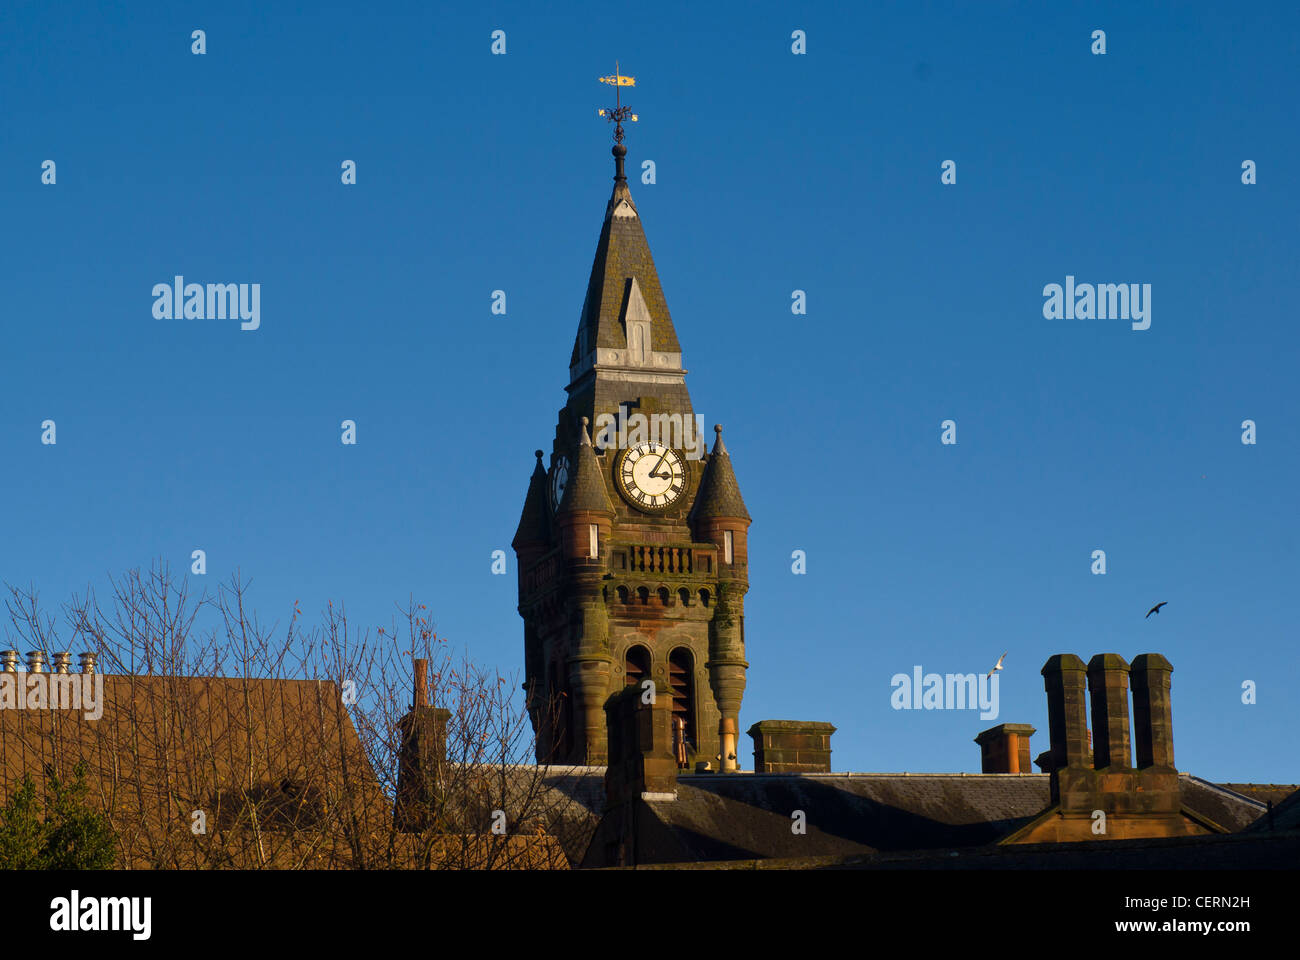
997,666
1156,608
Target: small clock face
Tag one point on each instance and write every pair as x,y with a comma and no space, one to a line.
651,475
559,480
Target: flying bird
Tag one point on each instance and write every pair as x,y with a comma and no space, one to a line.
997,666
1156,608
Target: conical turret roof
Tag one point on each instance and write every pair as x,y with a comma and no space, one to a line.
586,489
719,494
534,522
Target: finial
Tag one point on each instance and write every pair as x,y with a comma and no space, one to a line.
583,439
537,454
617,115
718,445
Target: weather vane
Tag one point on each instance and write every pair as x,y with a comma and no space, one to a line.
620,112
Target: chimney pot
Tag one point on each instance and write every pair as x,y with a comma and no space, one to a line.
421,698
87,662
62,661
35,661
9,660
1005,748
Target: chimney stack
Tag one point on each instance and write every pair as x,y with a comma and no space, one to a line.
422,754
642,764
9,660
1005,748
1108,684
87,662
1067,710
1153,719
35,661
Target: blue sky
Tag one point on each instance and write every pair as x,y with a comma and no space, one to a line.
775,172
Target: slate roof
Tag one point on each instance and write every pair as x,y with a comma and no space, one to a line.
1229,809
1286,815
745,816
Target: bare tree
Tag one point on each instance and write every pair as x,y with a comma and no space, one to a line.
229,742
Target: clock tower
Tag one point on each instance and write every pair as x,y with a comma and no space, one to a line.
632,544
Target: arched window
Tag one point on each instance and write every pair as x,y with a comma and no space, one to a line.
636,665
663,596
684,596
704,598
643,594
681,681
622,595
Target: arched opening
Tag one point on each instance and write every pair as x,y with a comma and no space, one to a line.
636,665
622,595
684,596
663,596
704,598
681,681
643,594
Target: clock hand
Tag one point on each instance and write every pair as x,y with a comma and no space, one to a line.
655,472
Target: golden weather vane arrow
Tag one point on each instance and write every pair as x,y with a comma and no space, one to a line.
619,113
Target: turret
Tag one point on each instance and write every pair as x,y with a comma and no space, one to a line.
584,520
720,517
532,541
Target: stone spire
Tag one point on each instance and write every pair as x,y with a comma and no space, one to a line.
625,321
719,494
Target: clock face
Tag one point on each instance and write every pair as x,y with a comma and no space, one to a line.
559,480
651,475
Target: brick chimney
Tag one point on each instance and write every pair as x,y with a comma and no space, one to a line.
1108,684
1005,748
422,754
1153,718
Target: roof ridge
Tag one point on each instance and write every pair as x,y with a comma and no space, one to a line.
1222,789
